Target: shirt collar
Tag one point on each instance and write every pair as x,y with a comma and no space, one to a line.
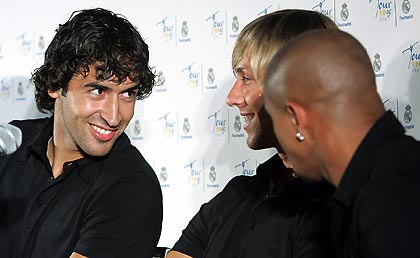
360,167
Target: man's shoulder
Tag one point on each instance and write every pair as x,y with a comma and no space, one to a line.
30,126
129,162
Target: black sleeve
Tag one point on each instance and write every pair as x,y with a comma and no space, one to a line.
125,223
311,235
195,236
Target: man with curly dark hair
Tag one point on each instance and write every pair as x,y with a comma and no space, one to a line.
77,187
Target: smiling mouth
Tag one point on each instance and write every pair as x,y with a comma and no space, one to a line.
100,130
248,118
102,134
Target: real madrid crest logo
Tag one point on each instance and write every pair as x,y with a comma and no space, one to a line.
406,6
407,114
344,12
160,79
20,89
212,174
237,124
186,126
210,76
235,24
137,127
184,29
163,175
377,63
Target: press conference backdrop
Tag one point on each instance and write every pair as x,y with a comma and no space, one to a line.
185,130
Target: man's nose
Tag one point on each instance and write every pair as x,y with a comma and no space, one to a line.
235,96
111,111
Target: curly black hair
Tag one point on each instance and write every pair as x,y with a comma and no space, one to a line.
93,37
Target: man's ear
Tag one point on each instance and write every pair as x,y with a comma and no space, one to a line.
297,114
53,93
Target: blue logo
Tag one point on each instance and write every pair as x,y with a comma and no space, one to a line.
5,89
219,125
25,43
414,58
167,29
320,8
194,173
168,126
193,77
217,26
383,9
244,170
264,11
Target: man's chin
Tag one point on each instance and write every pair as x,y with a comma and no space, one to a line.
254,144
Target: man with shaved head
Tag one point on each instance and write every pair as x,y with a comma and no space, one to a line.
329,118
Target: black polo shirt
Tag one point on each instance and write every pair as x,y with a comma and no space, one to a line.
376,208
107,206
253,218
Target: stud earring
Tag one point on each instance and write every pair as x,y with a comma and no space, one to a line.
261,90
299,137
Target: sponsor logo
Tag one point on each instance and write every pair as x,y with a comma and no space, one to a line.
5,89
184,33
218,125
377,65
234,27
244,170
194,173
163,177
186,128
406,7
136,131
217,25
212,178
160,81
320,8
264,11
414,57
383,9
210,80
344,15
237,126
25,43
168,125
193,77
167,29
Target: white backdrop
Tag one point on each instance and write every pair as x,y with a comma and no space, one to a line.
193,140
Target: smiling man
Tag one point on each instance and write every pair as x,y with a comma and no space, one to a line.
273,213
77,187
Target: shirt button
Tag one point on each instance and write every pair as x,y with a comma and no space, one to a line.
27,231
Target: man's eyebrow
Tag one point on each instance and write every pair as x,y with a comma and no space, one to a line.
135,87
96,86
238,69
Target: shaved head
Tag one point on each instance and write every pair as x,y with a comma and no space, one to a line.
324,81
321,67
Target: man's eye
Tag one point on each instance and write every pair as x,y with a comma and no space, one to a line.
97,91
130,94
246,79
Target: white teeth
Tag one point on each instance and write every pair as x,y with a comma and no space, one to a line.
101,130
248,118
